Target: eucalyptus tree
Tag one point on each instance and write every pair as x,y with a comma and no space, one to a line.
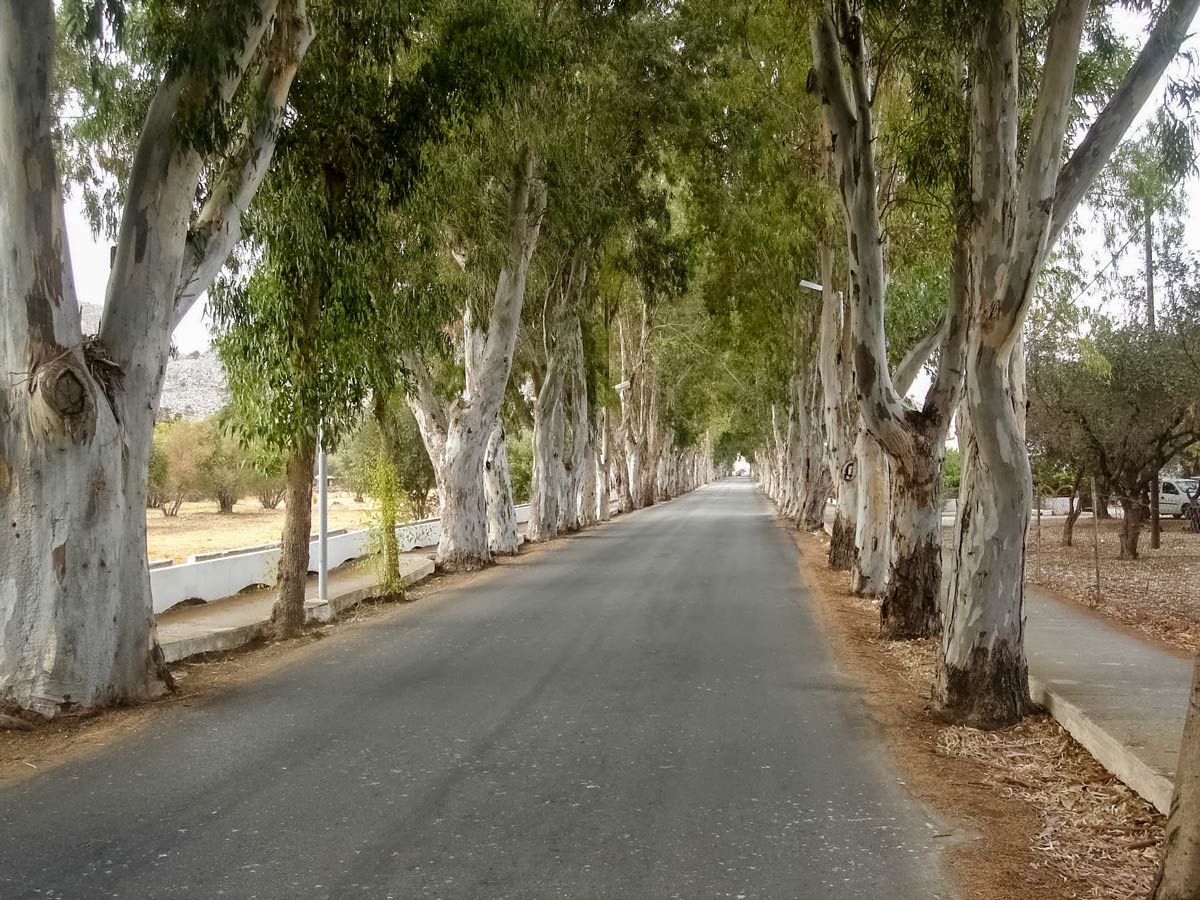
457,431
209,83
914,441
627,99
294,336
1024,187
754,164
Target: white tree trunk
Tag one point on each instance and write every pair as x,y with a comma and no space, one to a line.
603,463
1179,872
464,539
76,415
868,577
544,489
837,385
983,679
503,538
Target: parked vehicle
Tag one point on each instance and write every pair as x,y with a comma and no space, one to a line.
1176,495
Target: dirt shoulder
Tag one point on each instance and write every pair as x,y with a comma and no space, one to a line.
1048,822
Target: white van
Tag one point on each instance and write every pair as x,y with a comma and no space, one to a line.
1175,495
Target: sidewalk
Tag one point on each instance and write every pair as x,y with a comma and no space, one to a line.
233,621
1122,697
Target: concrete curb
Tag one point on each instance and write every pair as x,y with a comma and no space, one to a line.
1113,755
213,642
1117,758
315,610
325,611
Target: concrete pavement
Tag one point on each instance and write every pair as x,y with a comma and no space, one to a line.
645,712
234,621
1121,696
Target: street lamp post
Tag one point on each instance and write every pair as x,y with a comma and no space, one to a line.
322,520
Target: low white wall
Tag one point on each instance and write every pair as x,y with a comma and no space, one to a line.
213,579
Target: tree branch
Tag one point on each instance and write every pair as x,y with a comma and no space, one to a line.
826,76
527,205
217,228
428,409
910,365
143,283
1108,129
943,395
1041,167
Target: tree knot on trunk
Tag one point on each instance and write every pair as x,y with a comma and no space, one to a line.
62,399
107,372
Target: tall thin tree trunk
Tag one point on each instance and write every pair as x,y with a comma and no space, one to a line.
868,577
387,511
983,680
544,486
503,538
1179,871
603,464
287,615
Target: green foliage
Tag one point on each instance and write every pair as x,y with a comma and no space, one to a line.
414,473
356,457
390,509
951,472
182,445
156,485
224,473
1121,422
520,464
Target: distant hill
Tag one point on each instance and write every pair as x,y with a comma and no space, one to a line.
194,386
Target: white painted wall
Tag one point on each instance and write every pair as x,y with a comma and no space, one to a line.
216,578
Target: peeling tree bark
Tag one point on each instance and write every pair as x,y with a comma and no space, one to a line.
1020,204
914,440
456,435
841,417
868,575
77,416
603,464
1178,875
503,539
552,494
544,488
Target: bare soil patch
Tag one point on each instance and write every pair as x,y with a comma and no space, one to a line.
199,528
1049,822
1158,594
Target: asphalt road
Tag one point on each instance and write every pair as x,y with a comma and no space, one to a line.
643,713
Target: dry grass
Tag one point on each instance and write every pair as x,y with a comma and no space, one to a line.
199,528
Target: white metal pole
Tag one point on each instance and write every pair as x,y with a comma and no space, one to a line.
322,521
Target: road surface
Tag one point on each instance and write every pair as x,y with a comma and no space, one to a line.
646,712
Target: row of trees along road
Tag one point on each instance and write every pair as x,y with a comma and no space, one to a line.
588,222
